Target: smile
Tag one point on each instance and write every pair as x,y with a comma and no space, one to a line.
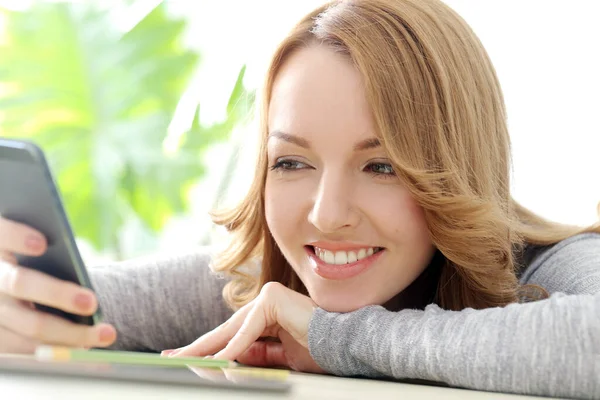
342,264
345,257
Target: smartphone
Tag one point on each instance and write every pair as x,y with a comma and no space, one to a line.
29,195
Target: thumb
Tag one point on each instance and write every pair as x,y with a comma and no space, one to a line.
264,354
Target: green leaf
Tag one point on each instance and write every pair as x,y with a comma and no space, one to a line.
99,101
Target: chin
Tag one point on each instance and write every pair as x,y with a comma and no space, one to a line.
343,303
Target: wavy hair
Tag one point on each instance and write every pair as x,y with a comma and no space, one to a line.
439,112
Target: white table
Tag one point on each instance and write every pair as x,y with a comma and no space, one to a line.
306,386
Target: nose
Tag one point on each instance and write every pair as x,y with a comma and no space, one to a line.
333,208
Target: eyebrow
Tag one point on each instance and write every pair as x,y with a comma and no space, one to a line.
367,144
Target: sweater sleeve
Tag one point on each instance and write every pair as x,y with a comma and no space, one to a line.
160,302
549,347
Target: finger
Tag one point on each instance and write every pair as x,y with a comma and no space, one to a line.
35,286
48,328
216,339
10,342
264,354
254,325
8,257
19,238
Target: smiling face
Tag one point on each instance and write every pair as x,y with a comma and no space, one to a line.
342,219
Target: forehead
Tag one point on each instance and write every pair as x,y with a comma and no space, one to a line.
318,92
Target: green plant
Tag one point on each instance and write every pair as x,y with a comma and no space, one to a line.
100,102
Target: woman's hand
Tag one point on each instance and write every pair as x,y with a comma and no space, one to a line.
277,312
22,327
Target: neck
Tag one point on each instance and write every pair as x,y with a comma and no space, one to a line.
421,291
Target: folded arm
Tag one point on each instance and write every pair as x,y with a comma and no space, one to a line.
549,347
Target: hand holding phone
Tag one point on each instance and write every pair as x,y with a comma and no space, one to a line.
22,327
45,292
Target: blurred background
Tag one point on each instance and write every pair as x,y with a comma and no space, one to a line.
145,108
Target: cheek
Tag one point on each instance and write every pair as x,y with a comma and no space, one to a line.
271,210
398,216
283,208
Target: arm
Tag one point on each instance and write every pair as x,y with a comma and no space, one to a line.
160,303
570,267
550,347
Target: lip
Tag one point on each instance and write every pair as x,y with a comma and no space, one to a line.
341,272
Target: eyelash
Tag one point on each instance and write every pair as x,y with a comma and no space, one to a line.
280,166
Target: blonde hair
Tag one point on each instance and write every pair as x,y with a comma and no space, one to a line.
439,112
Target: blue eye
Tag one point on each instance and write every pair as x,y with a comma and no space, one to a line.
287,165
381,169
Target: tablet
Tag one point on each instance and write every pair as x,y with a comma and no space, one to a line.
244,378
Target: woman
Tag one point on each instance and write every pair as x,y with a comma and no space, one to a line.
389,243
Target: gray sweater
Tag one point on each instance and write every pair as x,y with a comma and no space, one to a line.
549,347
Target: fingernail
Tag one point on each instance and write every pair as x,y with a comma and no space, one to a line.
34,242
107,334
166,352
174,352
83,301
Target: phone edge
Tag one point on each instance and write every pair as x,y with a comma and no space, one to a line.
80,268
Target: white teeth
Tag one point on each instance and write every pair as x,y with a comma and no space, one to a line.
352,257
344,257
341,257
361,254
328,257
